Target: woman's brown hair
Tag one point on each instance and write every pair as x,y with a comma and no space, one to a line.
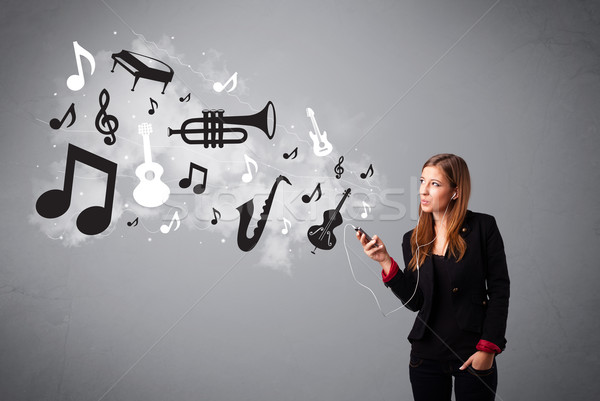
457,173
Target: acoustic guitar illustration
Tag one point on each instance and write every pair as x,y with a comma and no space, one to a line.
151,191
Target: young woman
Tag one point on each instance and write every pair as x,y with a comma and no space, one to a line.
456,277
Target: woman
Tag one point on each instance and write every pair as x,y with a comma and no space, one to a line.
456,277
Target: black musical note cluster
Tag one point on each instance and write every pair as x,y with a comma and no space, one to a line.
56,202
208,130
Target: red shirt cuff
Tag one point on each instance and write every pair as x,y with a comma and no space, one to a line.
393,270
487,346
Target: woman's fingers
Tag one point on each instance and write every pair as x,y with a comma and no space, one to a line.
362,238
376,253
369,247
378,241
467,363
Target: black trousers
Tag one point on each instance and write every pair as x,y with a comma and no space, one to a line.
432,381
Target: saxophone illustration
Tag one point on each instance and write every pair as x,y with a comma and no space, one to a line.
247,209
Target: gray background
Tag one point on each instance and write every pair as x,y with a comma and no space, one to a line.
188,316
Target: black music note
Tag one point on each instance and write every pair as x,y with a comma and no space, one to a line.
215,212
133,223
56,202
339,170
294,153
364,175
55,123
152,103
185,99
306,198
187,181
106,124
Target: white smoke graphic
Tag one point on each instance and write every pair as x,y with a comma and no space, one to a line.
225,188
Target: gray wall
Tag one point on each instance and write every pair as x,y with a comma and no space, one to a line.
133,314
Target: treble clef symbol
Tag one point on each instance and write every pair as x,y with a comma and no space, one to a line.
105,123
339,170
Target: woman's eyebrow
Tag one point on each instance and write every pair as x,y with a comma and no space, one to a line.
431,179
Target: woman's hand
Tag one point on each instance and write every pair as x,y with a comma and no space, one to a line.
377,253
480,360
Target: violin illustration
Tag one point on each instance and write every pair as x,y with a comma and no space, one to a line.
321,236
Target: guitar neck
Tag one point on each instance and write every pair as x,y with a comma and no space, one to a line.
147,152
315,126
337,210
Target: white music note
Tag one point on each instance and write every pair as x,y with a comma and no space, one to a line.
284,231
365,213
218,87
247,177
76,81
166,228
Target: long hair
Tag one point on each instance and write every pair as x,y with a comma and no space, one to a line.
457,173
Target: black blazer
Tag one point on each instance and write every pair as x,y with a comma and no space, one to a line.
480,283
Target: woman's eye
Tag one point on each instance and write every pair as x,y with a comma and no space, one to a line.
436,184
421,180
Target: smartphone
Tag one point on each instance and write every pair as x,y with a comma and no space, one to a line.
360,230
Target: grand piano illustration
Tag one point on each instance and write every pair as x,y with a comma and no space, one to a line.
141,66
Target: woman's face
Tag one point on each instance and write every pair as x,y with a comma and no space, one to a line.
435,191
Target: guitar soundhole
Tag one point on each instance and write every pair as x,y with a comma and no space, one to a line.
149,175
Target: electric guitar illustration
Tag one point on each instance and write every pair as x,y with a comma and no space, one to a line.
321,147
151,191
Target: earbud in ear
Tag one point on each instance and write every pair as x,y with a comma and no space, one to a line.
453,196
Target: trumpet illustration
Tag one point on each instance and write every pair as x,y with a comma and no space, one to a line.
212,132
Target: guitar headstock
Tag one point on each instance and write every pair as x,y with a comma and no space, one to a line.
145,129
309,112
